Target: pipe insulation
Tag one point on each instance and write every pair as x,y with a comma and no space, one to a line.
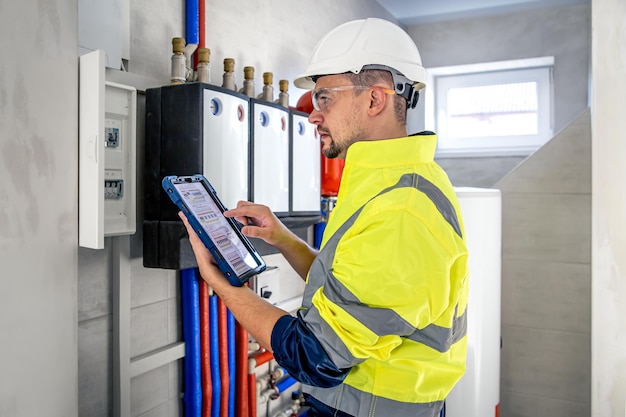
205,348
263,358
285,383
232,357
223,347
252,398
191,23
192,397
242,371
215,357
201,23
272,393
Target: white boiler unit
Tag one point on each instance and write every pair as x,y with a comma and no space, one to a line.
477,394
270,155
305,166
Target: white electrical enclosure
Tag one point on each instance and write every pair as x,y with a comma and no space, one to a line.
226,129
477,394
270,179
305,166
280,284
107,155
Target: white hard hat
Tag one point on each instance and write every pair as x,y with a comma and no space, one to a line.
366,43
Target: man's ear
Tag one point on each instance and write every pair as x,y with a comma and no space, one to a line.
377,99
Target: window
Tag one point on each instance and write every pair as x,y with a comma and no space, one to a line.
500,108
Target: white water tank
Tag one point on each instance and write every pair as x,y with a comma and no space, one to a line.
270,155
225,136
477,394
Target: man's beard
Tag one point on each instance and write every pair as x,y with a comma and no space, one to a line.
332,151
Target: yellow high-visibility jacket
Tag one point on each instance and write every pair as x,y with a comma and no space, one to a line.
386,297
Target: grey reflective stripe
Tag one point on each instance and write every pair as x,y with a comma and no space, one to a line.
441,338
380,321
324,260
385,321
362,404
442,203
337,351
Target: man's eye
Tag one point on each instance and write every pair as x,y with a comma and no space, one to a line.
323,100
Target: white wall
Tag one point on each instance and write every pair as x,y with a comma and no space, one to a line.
276,36
38,208
608,209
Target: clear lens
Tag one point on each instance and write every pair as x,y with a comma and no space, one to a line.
322,97
316,104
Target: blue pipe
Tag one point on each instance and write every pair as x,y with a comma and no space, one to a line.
285,383
192,397
232,365
192,23
318,233
216,380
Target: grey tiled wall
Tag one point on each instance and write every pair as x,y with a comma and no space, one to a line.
546,279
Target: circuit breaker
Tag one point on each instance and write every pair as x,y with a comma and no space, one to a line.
107,154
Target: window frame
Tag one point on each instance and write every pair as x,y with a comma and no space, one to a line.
532,69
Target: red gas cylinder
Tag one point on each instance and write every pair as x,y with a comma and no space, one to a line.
304,103
331,168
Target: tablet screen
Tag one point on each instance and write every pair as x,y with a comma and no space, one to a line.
210,217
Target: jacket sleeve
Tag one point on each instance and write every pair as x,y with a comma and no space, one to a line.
298,351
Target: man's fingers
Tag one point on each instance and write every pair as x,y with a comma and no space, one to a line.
193,236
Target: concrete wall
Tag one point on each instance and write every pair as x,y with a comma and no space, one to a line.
563,32
38,208
608,209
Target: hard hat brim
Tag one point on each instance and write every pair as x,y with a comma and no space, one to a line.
305,82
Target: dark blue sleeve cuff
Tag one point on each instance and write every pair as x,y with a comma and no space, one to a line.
299,352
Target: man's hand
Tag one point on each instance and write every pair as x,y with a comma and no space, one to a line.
206,264
259,222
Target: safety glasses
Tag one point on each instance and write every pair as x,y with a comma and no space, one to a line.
322,98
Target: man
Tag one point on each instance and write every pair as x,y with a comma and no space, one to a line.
382,328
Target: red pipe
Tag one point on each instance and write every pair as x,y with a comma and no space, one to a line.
242,371
205,351
223,337
263,357
256,359
201,23
252,392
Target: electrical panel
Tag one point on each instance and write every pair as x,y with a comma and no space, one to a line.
107,154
